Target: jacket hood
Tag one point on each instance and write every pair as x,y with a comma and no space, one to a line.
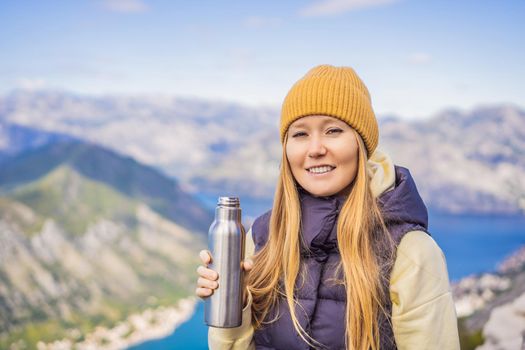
399,198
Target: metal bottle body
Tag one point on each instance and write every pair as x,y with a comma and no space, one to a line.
226,240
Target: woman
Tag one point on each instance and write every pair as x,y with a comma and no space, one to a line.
343,260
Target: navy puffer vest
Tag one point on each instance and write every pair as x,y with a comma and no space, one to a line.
323,303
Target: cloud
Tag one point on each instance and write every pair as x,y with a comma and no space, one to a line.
335,7
125,6
30,83
419,58
242,59
261,22
97,68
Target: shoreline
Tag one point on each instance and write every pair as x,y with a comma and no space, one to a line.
138,328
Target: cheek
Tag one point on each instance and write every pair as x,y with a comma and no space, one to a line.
349,159
293,153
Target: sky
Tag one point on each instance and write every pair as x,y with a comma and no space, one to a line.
416,57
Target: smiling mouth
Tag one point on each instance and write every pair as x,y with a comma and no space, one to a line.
320,169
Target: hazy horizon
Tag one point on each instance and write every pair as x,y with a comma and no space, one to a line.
417,58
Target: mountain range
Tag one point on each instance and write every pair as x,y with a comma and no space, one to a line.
463,161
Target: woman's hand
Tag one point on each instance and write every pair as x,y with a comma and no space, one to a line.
209,279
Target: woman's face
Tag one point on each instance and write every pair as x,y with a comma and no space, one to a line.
323,153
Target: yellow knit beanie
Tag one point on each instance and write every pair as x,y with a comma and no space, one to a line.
333,91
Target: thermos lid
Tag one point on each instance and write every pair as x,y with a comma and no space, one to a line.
232,202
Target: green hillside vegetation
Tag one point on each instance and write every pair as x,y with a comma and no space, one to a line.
74,201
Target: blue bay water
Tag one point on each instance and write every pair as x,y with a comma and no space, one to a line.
191,335
471,244
475,243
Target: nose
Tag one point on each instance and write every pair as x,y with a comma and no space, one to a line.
316,148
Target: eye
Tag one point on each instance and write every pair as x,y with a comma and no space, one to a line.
334,130
299,133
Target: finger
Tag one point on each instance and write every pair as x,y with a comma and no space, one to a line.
207,273
205,256
205,283
203,292
247,265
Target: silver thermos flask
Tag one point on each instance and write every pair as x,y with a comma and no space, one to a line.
226,243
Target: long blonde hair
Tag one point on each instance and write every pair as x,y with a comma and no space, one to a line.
365,247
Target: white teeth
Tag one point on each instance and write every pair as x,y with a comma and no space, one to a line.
320,169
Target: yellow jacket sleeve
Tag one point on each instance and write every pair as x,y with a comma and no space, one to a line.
423,312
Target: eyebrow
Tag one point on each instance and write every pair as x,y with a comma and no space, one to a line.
303,124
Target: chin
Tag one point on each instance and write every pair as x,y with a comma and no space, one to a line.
321,193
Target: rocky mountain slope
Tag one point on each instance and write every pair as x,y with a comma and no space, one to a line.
88,238
491,306
463,161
